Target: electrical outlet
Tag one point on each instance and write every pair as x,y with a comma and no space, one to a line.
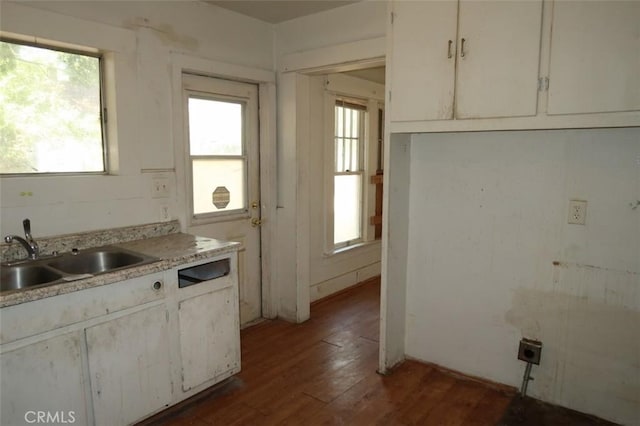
577,212
530,351
160,188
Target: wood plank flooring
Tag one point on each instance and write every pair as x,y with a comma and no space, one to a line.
323,372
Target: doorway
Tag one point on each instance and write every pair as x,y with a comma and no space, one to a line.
222,156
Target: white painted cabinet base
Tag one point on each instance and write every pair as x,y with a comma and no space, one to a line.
117,354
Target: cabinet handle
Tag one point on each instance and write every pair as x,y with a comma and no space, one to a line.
462,47
449,54
157,285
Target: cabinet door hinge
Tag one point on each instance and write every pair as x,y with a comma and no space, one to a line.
393,17
389,96
543,84
104,115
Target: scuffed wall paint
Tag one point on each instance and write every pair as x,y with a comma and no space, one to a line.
491,255
587,319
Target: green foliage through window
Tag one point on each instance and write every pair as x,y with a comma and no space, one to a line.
50,111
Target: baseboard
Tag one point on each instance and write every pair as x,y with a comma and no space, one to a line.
346,290
320,290
501,387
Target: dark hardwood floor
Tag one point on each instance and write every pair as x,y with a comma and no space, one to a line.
323,372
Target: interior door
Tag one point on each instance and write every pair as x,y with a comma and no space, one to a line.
222,152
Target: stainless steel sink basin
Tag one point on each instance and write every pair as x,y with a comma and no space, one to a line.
68,267
22,276
96,262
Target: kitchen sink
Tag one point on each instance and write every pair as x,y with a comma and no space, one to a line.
68,267
96,262
22,276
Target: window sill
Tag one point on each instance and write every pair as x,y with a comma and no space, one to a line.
349,249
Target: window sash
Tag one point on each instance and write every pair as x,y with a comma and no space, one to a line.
101,111
224,213
348,147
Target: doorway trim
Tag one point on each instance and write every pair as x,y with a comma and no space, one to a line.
266,81
293,120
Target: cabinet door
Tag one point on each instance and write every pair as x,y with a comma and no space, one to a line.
423,60
129,366
44,377
498,64
209,337
595,57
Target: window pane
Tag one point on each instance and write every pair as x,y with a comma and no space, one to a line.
347,122
355,114
354,155
339,122
50,111
218,173
339,155
215,127
347,208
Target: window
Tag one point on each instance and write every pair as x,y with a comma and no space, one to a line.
348,173
217,153
50,111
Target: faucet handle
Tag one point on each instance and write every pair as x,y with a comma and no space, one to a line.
26,225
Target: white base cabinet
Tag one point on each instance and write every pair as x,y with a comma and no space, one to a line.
117,354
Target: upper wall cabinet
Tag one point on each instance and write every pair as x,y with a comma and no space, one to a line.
595,57
465,59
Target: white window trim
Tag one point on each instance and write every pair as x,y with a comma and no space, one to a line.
368,191
117,47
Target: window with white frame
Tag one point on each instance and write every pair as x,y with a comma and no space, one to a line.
51,117
348,179
217,154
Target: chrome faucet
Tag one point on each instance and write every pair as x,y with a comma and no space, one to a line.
27,242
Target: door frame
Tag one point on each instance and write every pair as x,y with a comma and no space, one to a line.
266,81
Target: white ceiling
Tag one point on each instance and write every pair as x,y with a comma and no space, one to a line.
279,11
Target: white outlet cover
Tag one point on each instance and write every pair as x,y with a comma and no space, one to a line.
160,188
577,212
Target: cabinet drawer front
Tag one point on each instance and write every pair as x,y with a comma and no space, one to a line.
31,318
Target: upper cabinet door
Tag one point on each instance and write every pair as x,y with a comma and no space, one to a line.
595,57
423,60
498,58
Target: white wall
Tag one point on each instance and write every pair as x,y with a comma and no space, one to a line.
492,259
356,22
142,36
